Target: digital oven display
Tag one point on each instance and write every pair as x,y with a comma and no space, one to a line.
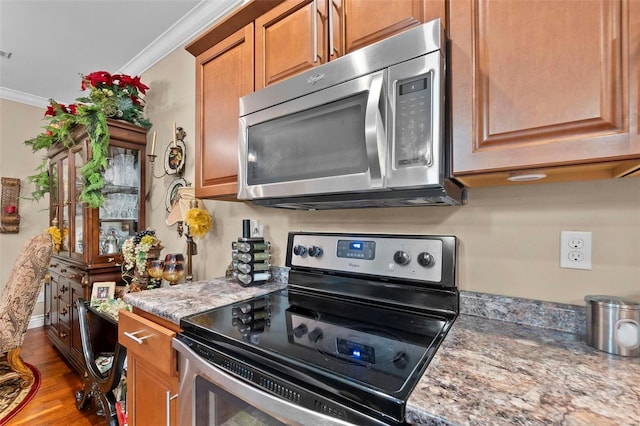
356,249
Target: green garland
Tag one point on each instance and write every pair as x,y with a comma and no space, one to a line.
114,96
96,123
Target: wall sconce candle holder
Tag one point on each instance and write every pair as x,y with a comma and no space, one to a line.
174,156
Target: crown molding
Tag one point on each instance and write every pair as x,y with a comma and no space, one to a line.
24,98
190,25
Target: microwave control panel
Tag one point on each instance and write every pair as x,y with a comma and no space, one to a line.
413,123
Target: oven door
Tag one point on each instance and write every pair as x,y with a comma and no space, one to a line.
329,141
211,396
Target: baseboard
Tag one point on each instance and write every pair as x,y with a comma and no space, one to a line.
36,321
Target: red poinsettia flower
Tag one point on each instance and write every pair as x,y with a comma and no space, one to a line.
73,109
48,133
126,80
95,78
50,111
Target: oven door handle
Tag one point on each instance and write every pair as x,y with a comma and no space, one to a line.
192,365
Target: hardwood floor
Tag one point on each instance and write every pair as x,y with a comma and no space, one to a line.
54,404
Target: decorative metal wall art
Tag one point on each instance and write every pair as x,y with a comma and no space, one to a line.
10,214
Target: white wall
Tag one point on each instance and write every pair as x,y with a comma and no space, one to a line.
19,122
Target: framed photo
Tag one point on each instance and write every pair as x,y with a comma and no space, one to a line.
102,292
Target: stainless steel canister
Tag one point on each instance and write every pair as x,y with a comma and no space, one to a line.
613,325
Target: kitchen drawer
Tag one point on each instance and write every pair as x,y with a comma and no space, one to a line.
147,340
69,272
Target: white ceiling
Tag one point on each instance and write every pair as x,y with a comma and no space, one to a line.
52,43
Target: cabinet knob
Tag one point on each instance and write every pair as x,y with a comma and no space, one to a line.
63,311
63,335
64,289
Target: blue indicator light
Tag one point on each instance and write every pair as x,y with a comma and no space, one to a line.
356,353
356,245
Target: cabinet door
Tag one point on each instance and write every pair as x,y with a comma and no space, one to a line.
53,304
224,74
301,34
151,370
147,394
290,38
76,207
369,21
539,84
76,292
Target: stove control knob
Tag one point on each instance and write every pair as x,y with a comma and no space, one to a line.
426,260
402,257
400,360
299,250
315,335
300,330
315,251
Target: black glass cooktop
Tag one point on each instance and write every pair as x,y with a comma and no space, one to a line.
347,347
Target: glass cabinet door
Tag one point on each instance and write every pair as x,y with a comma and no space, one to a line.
64,208
77,242
54,197
120,211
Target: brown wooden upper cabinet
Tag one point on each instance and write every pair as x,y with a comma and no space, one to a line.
224,73
298,35
547,86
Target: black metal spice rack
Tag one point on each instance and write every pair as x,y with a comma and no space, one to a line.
251,259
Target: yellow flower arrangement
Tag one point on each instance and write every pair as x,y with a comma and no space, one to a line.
199,222
57,237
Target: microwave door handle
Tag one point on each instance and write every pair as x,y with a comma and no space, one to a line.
374,130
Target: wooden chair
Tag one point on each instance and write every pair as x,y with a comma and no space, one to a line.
97,384
18,299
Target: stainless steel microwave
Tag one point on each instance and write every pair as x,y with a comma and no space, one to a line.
365,130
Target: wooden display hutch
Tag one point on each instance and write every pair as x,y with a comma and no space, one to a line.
84,257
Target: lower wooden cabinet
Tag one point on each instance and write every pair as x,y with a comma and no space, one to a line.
67,282
152,370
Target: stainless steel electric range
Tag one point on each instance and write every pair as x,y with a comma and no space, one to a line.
344,343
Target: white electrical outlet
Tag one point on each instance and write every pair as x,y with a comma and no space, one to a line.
575,250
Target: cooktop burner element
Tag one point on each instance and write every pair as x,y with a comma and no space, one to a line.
358,324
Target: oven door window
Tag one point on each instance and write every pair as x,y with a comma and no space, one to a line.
322,142
216,407
329,141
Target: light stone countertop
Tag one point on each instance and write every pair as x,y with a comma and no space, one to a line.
490,372
181,300
486,372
